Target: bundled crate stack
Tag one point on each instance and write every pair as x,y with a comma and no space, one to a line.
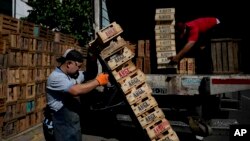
186,66
26,60
132,80
165,36
143,56
225,55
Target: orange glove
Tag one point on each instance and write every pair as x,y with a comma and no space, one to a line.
103,79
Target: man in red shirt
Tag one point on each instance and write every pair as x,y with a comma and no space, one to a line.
193,33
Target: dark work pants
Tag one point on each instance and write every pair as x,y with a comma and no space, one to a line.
66,125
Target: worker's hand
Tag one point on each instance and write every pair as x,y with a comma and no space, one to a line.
103,79
173,60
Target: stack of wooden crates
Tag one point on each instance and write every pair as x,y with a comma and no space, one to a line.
225,54
132,82
27,56
165,36
143,56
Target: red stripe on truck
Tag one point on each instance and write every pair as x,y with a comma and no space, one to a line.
230,81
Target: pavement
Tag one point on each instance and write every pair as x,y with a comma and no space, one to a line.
36,134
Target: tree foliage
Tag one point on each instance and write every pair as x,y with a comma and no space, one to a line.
73,17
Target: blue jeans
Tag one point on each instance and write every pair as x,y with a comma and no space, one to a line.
66,124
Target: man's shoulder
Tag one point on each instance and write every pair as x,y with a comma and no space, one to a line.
57,75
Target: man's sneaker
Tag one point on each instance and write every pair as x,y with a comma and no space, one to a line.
199,126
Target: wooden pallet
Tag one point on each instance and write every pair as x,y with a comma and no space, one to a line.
8,24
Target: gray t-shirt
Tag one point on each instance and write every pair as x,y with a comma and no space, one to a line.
57,87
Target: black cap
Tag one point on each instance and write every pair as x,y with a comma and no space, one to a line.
70,54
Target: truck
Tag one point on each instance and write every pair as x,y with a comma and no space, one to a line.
221,98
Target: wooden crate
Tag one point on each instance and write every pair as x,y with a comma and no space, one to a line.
38,60
10,41
24,74
32,75
190,65
32,59
40,88
225,55
171,136
2,105
138,93
163,60
31,47
22,94
165,54
23,42
14,59
119,58
40,102
144,105
183,66
50,35
158,129
171,22
27,28
164,17
20,109
67,39
28,120
141,48
3,90
124,70
147,65
3,60
165,48
147,48
133,80
113,47
109,32
8,24
165,43
139,63
39,45
10,128
40,75
10,112
30,91
44,59
150,116
24,59
162,36
168,30
12,93
165,10
39,116
13,76
22,124
3,46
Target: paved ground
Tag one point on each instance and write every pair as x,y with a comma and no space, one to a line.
36,134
